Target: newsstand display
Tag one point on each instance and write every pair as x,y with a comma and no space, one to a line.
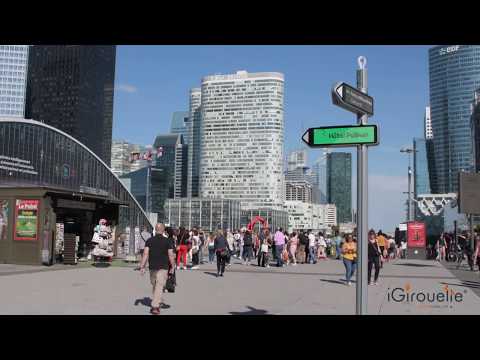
103,241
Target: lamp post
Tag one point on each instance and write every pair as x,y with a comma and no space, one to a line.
409,152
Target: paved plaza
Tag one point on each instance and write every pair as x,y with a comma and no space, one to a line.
303,290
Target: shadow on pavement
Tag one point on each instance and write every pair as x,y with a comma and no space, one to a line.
252,311
414,265
210,273
333,281
148,303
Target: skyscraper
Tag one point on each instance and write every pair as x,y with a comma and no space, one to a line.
71,88
179,124
193,140
475,123
297,159
120,158
339,184
242,136
13,79
420,165
454,76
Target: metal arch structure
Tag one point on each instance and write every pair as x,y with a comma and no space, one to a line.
433,204
84,147
255,220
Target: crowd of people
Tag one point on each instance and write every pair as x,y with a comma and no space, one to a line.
446,248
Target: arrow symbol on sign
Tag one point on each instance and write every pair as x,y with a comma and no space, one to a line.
305,137
340,91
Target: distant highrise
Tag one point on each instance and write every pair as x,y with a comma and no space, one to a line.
13,79
339,184
71,87
242,137
428,124
454,76
120,158
179,124
193,140
420,165
475,123
297,159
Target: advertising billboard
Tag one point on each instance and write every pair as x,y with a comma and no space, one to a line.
469,193
416,235
26,220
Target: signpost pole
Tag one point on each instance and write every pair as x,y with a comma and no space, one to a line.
362,203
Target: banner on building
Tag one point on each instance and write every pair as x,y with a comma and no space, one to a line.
159,151
26,220
416,235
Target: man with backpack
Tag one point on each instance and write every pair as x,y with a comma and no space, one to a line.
247,247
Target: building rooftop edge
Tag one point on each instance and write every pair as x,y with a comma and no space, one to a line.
243,75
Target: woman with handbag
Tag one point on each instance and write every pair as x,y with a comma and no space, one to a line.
221,250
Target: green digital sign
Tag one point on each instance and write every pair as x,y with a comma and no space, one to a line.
349,135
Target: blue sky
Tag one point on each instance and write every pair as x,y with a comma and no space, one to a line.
153,81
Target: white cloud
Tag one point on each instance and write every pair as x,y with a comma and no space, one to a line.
127,88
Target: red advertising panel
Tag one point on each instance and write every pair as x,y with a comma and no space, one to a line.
26,220
416,235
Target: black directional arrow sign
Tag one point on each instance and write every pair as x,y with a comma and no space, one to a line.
352,99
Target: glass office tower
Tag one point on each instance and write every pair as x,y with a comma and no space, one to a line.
70,87
339,184
454,76
420,165
13,79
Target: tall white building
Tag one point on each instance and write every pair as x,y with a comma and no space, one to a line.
242,137
428,124
121,163
13,79
194,142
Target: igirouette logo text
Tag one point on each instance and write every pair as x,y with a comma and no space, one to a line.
445,296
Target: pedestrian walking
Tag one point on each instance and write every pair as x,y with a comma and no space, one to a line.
349,254
158,252
256,244
293,244
374,254
322,245
441,247
302,244
195,240
338,246
221,250
263,259
201,236
404,249
247,247
312,244
182,248
382,243
211,247
144,236
231,247
279,241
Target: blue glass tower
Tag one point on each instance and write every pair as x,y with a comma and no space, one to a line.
454,75
179,124
420,165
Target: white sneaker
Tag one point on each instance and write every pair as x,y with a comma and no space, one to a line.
349,283
178,267
184,268
268,266
194,267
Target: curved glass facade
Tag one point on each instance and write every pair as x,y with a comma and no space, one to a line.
33,154
454,76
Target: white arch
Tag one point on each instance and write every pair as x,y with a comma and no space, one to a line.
41,124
